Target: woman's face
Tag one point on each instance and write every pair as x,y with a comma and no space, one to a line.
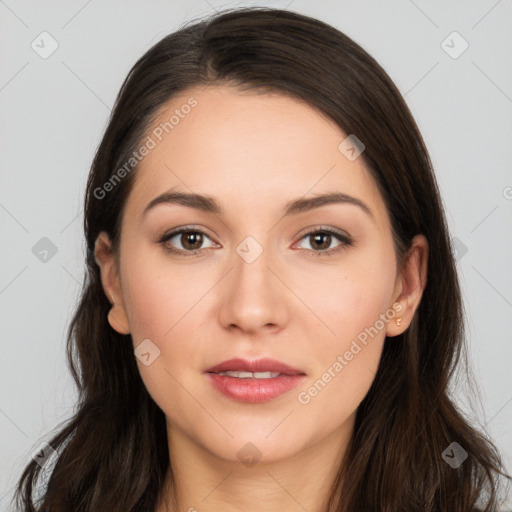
249,280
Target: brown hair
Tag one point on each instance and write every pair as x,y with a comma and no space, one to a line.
112,454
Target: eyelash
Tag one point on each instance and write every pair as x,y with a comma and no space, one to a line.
345,240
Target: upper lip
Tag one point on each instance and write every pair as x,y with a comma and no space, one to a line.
258,365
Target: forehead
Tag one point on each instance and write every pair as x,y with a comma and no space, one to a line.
248,149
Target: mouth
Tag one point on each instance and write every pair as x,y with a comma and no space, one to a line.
259,369
253,381
250,375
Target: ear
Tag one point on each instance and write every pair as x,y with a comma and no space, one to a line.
105,258
410,285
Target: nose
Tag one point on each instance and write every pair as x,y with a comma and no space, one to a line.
253,296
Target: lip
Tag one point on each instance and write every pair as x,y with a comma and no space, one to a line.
252,390
258,365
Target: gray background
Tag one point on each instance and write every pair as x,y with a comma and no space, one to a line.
54,111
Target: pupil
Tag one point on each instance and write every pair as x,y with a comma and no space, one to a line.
322,235
189,240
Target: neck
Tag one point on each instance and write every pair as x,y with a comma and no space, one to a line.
199,481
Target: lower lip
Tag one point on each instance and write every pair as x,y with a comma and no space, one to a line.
254,390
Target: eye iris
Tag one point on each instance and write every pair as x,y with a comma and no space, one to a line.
189,238
325,245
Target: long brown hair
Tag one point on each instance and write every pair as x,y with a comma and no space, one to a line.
112,453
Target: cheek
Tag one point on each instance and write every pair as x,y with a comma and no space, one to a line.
346,363
354,306
349,297
166,304
158,295
162,303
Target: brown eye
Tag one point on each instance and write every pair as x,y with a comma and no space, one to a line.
321,239
190,240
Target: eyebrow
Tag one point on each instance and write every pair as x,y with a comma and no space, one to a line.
210,205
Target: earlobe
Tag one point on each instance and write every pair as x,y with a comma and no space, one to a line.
105,258
118,320
413,280
395,326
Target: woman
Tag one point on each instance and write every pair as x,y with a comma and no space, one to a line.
272,312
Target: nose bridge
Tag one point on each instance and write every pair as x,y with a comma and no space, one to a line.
251,273
254,297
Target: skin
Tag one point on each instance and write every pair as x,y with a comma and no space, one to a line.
253,153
